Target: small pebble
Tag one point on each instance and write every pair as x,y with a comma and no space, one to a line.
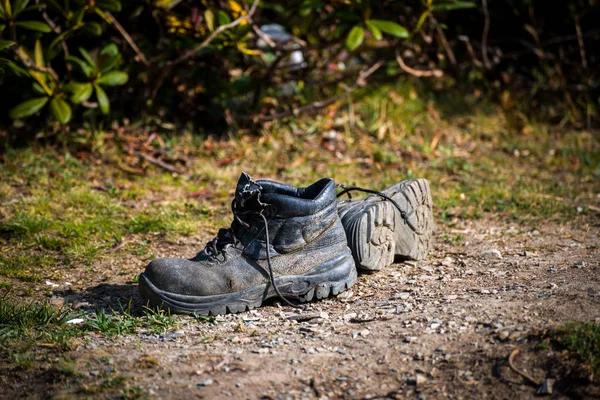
402,295
205,382
420,379
491,254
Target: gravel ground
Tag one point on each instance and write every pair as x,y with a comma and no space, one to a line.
444,327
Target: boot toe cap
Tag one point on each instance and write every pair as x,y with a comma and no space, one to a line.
172,275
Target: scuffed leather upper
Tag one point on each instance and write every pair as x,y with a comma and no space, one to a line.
304,231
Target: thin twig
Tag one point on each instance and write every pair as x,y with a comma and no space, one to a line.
264,37
361,80
128,38
419,73
539,51
158,162
484,38
524,374
31,65
465,39
581,43
444,41
56,29
189,54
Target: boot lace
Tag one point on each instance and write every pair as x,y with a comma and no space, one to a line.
227,237
403,214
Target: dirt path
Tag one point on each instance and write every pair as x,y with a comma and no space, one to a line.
440,328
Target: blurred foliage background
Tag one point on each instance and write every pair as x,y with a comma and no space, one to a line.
218,65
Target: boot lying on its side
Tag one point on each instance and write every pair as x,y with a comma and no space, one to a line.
283,241
380,230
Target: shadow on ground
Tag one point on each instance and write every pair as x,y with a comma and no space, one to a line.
109,296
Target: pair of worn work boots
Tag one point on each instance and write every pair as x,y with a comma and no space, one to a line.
295,244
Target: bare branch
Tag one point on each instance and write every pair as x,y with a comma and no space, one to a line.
56,29
158,163
484,38
128,38
465,39
444,41
189,54
511,363
31,65
264,37
361,80
581,43
419,73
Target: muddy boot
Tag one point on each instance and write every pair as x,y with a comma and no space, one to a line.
284,241
394,224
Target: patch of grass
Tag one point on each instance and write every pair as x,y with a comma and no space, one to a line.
157,320
583,339
24,267
132,393
22,323
109,383
65,366
23,224
116,323
154,321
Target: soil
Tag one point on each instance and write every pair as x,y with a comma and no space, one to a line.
443,327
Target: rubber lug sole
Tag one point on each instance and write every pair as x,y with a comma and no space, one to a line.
330,278
376,232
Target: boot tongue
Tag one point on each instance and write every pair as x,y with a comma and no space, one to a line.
248,193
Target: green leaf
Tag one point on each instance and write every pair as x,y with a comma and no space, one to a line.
28,108
209,17
93,28
102,99
223,18
3,14
86,56
113,78
37,88
374,30
5,43
390,27
64,35
6,7
34,26
18,6
355,37
18,70
80,91
59,7
168,4
109,5
38,54
60,110
77,16
109,58
110,49
455,5
85,68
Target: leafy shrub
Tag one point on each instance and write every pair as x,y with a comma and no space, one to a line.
216,63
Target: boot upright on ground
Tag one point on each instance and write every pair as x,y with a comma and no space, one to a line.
283,241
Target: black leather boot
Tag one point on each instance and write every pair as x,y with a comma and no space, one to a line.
284,241
396,223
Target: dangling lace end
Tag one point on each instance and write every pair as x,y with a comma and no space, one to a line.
271,275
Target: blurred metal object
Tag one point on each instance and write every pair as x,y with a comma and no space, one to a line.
283,41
